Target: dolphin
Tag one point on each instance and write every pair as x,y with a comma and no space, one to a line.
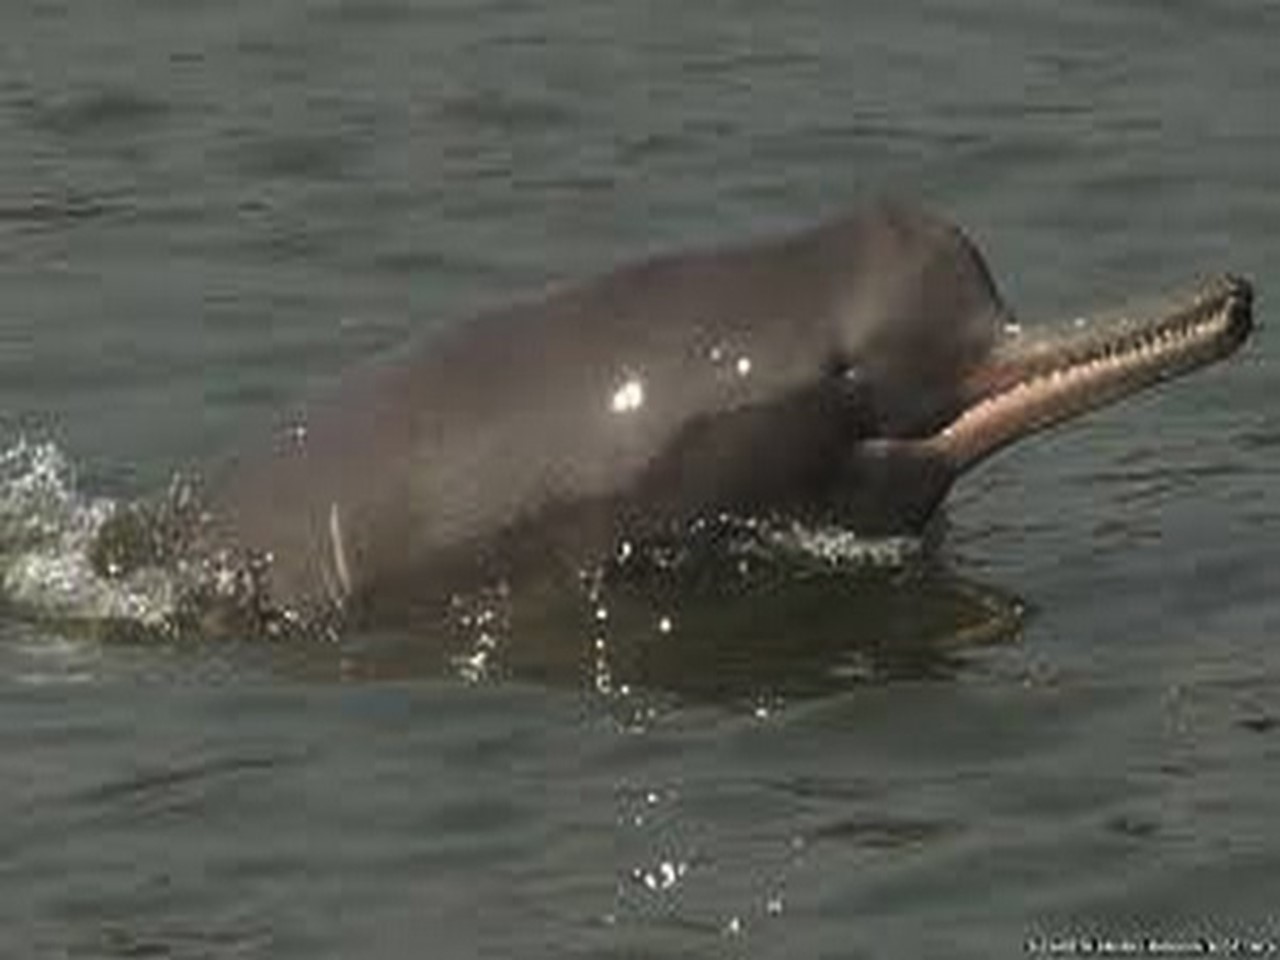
848,373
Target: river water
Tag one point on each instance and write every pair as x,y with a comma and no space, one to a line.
1066,726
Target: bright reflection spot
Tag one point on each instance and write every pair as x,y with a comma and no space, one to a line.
628,398
1013,328
715,354
664,876
743,366
734,926
665,625
224,581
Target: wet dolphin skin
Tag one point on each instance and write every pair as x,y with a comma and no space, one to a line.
847,373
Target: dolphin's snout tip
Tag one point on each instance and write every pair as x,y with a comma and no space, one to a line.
1238,296
1238,288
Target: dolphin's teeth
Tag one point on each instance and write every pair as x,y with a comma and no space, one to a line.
1099,369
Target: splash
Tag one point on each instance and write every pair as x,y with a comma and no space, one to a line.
840,548
48,530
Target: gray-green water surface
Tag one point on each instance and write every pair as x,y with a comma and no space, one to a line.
207,210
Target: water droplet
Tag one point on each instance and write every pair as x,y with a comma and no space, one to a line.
628,398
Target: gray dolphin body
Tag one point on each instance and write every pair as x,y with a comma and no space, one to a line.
847,373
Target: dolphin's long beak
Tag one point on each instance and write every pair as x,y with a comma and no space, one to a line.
1030,384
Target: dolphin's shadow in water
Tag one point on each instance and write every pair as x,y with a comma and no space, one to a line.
739,637
732,630
732,612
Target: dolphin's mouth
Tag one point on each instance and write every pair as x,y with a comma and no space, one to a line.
1029,385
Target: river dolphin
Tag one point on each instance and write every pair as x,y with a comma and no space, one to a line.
848,373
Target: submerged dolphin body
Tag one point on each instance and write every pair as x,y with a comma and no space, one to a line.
847,373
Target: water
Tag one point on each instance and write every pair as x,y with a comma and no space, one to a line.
209,209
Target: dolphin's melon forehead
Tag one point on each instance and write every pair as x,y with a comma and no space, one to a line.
918,295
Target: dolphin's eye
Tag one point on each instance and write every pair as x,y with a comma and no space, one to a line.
854,391
837,365
851,379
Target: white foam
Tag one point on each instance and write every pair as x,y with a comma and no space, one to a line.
841,547
47,530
